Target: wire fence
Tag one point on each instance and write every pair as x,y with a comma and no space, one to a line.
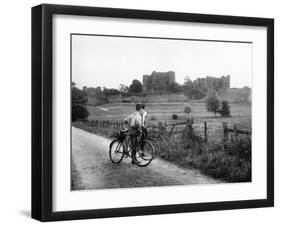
208,131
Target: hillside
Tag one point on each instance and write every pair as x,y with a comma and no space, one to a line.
232,95
92,100
236,95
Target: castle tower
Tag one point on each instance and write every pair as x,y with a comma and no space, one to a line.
145,80
158,80
228,81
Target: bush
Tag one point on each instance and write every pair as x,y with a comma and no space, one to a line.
241,147
78,96
230,161
174,116
195,94
79,112
187,109
213,104
152,118
135,87
225,110
174,87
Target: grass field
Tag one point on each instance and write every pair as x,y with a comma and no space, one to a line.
241,113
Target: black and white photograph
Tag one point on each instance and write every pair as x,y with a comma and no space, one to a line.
141,112
157,111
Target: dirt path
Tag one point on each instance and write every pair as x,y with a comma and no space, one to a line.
92,168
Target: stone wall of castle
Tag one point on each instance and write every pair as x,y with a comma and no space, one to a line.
213,82
158,80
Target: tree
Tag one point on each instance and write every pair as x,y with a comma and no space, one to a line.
79,112
195,94
174,116
73,84
173,87
110,92
213,104
225,109
136,86
78,96
187,109
79,99
123,88
187,80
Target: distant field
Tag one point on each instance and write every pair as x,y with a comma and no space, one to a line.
241,113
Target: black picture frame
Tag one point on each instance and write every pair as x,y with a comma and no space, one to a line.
42,107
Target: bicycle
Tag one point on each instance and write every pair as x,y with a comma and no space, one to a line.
153,141
121,146
155,144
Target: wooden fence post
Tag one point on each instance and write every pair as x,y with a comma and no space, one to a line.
205,131
235,130
161,128
190,129
225,132
189,132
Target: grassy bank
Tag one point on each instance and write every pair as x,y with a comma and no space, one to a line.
229,161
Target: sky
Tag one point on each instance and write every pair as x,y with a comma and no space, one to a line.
111,61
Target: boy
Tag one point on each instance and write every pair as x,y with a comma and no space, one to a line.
135,122
143,119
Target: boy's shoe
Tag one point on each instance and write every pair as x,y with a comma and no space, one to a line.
135,162
142,155
126,154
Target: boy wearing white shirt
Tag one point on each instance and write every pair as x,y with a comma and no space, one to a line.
143,115
143,119
135,122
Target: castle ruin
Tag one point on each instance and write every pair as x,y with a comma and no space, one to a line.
158,80
213,82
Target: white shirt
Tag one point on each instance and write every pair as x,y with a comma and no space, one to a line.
134,119
143,116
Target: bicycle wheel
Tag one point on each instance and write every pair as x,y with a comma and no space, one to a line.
156,146
144,153
116,151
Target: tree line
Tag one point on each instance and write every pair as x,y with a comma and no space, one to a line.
188,88
78,98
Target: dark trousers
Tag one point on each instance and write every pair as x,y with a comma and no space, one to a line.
144,132
134,142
